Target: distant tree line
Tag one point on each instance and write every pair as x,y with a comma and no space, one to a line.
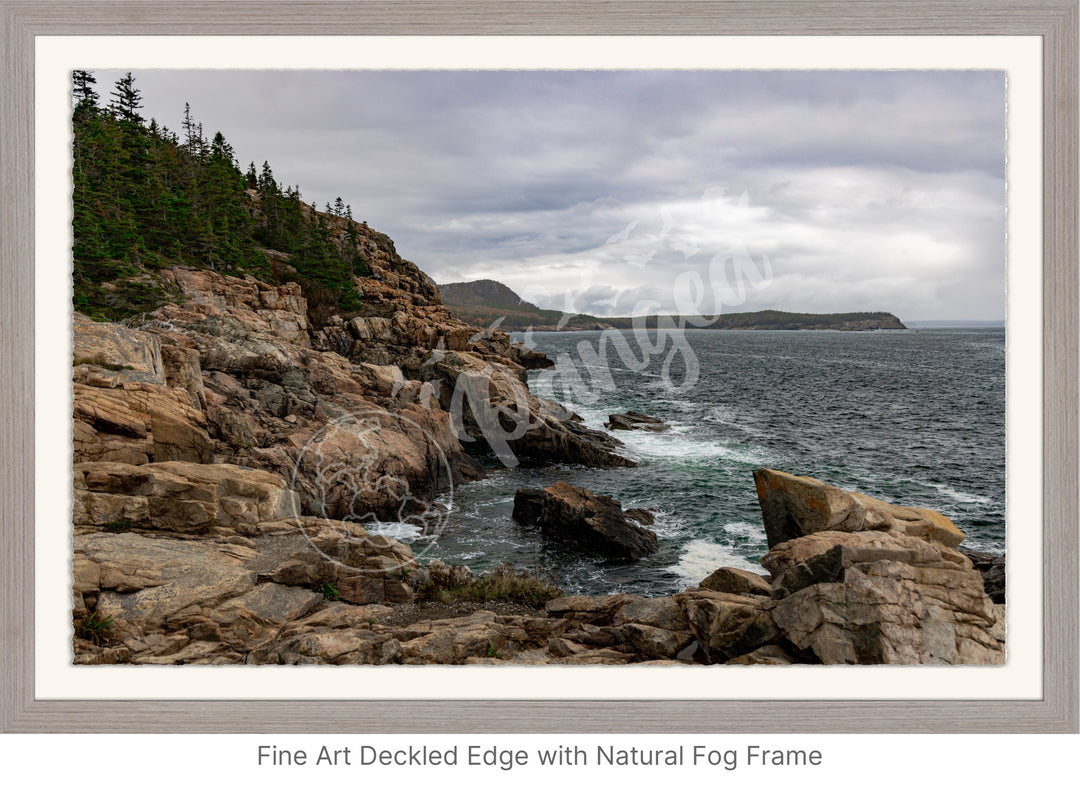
146,198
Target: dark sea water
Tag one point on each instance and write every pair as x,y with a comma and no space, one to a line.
914,417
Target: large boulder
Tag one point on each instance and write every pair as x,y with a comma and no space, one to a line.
881,598
794,506
595,522
730,580
729,625
529,358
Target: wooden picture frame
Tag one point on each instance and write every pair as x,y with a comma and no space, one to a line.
1055,21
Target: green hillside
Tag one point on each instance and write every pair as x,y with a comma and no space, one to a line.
146,198
482,302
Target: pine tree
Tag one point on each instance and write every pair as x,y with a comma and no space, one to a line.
220,149
127,100
267,184
188,125
145,199
83,91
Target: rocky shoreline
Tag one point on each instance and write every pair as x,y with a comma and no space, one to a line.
886,588
228,454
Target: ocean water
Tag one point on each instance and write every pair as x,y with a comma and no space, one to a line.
914,417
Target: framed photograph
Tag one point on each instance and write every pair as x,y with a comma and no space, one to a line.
732,386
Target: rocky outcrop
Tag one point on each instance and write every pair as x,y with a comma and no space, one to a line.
268,378
161,598
495,409
306,590
867,582
181,497
114,347
364,417
199,430
633,420
126,406
593,522
882,598
794,506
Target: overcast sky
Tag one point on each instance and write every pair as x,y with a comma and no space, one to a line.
612,193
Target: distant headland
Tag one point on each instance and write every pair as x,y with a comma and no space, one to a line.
484,301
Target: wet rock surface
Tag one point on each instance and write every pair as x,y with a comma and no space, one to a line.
633,420
594,522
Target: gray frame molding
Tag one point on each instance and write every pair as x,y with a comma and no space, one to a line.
1054,20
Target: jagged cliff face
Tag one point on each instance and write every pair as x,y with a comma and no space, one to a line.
228,454
365,418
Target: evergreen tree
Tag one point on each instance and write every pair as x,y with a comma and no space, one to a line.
83,91
188,126
267,184
144,199
127,100
221,150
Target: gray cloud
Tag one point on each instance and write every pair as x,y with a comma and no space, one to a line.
864,190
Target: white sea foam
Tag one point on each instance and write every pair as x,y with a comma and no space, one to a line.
675,445
402,532
960,496
701,558
753,533
666,524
